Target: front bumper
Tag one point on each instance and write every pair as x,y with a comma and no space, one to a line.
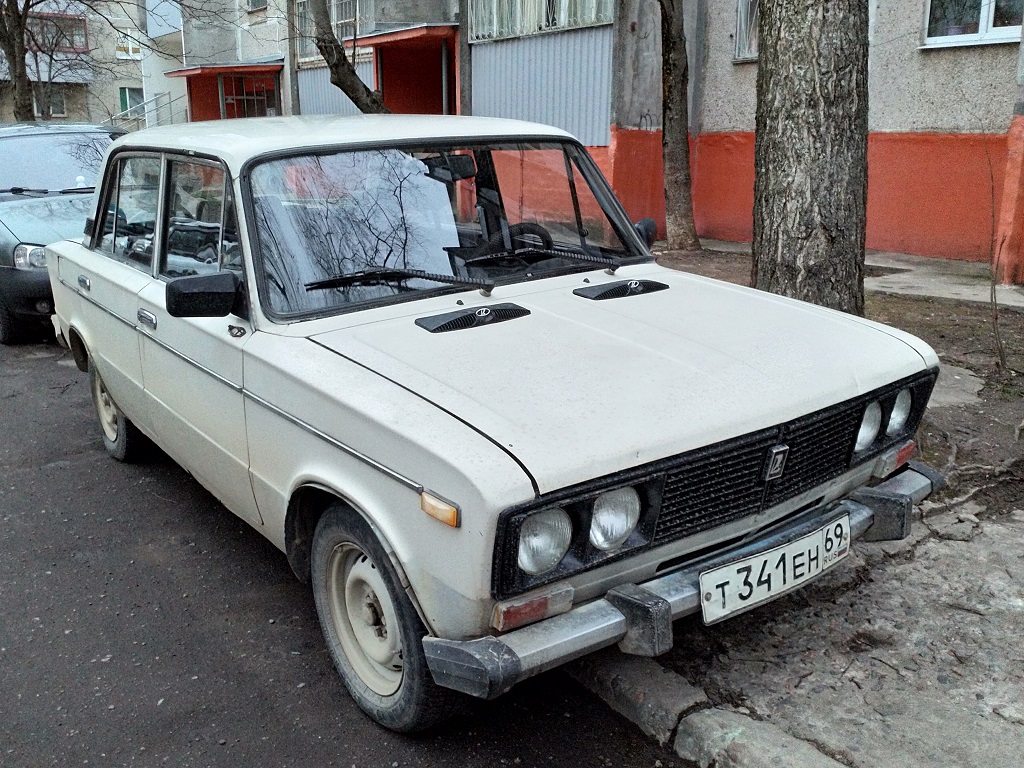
639,617
22,290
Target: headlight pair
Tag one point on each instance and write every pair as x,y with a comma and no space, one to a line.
871,423
545,536
29,256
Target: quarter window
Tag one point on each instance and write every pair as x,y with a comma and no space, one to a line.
955,22
130,218
201,234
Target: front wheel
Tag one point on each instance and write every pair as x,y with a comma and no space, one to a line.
372,630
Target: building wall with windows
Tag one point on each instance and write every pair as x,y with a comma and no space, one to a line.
942,89
76,66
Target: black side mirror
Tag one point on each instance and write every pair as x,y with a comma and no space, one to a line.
648,230
210,295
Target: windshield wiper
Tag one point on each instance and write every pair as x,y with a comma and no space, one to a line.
612,264
76,190
388,275
24,191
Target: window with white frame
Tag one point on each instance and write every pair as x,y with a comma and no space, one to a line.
127,46
256,5
955,22
54,96
746,31
343,17
497,19
57,32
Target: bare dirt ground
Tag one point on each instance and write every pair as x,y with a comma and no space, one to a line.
910,653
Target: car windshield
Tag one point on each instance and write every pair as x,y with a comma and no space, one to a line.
52,161
498,212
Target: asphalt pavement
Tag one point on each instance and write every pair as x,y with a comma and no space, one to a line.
141,623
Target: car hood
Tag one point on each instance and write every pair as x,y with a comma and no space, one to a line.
44,220
579,389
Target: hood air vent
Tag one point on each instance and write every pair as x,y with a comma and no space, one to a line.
471,318
620,289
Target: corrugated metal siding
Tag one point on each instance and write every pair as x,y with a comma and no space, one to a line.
318,97
563,79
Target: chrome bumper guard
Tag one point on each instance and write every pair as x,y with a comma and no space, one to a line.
639,617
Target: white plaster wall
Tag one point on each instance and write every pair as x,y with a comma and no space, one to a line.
729,95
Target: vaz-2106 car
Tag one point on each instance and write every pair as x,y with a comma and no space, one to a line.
433,361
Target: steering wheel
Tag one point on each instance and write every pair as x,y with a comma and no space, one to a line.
496,243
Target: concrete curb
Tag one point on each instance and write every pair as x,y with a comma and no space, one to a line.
665,706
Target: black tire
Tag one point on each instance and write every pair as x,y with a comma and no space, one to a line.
347,557
11,330
121,438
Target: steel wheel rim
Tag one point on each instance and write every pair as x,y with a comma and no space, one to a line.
105,408
365,619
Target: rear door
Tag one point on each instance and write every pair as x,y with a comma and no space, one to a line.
109,273
192,367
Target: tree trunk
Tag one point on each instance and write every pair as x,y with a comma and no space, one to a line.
12,44
811,171
343,73
675,135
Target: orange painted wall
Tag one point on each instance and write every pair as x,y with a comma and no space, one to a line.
412,78
930,194
204,97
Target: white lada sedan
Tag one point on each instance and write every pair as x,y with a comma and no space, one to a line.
433,361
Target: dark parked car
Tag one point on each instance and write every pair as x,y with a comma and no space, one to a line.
47,175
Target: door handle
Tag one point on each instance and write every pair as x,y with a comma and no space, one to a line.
147,318
84,282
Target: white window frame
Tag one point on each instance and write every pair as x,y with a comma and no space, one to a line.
126,47
253,6
746,37
986,34
54,92
305,29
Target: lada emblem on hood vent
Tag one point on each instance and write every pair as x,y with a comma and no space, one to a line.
619,289
471,318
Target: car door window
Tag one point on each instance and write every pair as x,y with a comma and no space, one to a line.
131,211
198,231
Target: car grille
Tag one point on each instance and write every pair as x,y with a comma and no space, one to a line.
726,482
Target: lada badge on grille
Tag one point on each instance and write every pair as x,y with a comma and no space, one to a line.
776,463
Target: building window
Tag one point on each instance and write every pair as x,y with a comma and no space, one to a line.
127,47
344,17
746,31
131,102
256,5
55,97
51,32
956,22
497,19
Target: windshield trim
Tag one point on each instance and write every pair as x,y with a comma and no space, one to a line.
588,168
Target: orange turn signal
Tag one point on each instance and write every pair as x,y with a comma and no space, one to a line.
440,510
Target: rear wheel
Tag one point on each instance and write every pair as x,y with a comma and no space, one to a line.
372,630
121,438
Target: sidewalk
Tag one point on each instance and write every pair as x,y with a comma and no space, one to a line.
897,273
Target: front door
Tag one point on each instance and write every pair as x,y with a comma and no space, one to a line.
193,366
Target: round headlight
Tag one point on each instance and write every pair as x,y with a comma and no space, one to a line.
900,413
869,426
29,256
544,540
615,516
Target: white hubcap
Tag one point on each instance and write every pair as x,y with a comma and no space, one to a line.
105,408
365,619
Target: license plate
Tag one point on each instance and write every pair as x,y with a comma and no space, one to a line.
743,584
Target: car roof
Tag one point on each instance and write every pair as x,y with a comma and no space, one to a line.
41,127
238,140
